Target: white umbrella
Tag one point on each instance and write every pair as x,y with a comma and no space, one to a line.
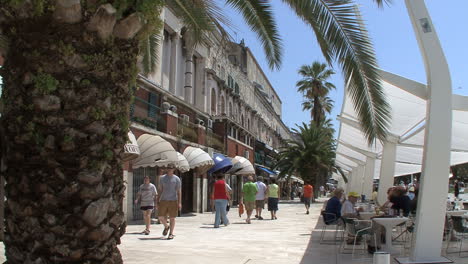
131,150
183,165
198,159
241,166
155,152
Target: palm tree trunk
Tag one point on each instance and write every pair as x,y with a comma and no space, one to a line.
66,101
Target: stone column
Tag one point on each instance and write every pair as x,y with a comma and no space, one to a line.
430,216
201,87
188,87
175,47
368,181
387,168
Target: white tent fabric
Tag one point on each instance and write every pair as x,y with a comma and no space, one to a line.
198,159
182,165
155,152
407,125
241,166
131,149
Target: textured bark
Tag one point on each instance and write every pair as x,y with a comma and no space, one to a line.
66,95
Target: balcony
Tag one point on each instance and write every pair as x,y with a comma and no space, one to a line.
215,141
187,131
145,113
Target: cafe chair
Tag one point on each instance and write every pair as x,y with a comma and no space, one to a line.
460,230
337,222
358,228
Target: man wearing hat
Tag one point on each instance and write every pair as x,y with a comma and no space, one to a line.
348,209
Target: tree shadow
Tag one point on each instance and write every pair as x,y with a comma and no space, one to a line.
152,238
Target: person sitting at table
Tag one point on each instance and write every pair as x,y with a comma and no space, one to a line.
348,210
388,204
333,209
400,201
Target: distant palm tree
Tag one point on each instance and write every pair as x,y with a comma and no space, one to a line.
311,156
315,87
325,104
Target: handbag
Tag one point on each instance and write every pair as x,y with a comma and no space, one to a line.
228,207
241,209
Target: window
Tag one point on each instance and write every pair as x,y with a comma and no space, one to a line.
213,101
242,120
230,82
152,108
230,110
248,124
223,109
236,88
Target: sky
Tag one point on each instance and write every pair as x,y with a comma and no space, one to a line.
394,41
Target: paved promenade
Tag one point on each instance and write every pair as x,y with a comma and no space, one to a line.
292,239
264,241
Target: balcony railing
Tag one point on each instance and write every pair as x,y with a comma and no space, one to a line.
145,113
214,141
187,131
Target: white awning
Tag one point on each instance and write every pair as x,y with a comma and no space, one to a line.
296,179
131,149
408,111
198,159
182,165
241,166
155,152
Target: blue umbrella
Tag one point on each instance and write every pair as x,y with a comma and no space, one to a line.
222,164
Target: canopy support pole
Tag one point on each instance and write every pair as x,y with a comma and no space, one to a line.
387,168
368,182
430,215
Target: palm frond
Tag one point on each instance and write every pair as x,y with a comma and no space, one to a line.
342,37
381,3
149,51
258,15
198,17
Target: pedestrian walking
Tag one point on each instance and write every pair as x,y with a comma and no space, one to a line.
169,200
273,197
260,197
299,192
221,197
249,190
322,191
308,194
148,197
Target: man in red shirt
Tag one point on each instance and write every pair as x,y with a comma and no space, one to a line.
308,193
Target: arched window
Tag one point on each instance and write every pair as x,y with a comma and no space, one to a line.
223,109
242,120
213,101
248,124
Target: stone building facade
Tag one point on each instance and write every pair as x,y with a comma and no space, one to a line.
215,97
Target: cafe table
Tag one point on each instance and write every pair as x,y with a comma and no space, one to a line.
388,223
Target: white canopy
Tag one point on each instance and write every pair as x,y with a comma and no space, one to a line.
241,166
198,159
408,110
182,165
131,150
155,152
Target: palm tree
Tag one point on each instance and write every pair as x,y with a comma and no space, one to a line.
315,87
312,156
69,69
325,103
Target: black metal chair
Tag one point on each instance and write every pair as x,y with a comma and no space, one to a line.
330,219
